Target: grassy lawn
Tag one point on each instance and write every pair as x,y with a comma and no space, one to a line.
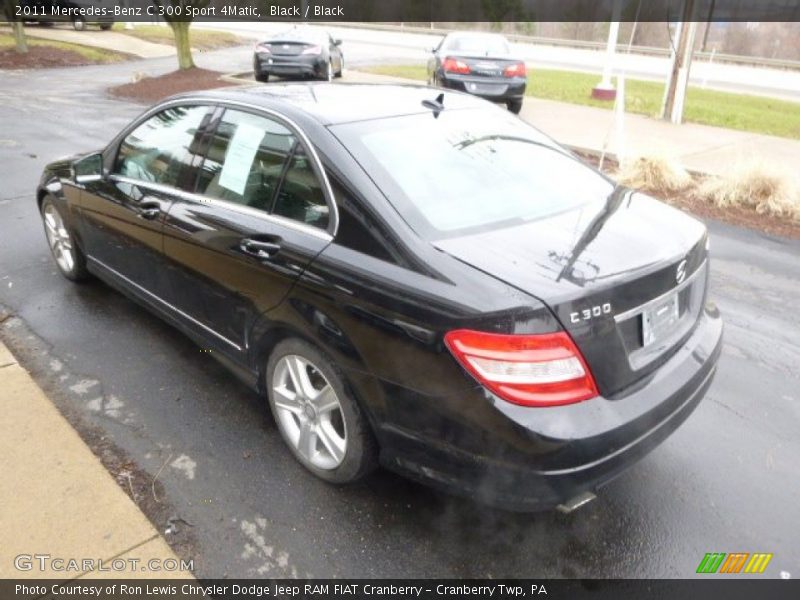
201,39
94,55
709,107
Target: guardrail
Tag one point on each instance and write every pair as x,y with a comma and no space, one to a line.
750,61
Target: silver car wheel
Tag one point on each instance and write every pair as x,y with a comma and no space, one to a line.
308,412
59,239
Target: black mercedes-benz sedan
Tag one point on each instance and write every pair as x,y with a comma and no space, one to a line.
300,52
412,279
481,64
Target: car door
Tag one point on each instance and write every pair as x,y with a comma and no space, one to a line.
123,212
261,211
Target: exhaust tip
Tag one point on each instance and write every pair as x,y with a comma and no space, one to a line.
575,502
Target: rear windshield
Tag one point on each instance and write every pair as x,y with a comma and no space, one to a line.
479,44
470,170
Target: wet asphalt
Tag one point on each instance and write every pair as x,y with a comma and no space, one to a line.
728,480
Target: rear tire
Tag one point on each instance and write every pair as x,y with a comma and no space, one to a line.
106,26
318,418
79,24
515,106
68,256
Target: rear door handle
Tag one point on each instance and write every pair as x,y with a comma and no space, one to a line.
149,210
259,248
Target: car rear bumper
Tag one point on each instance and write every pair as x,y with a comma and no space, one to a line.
290,66
538,458
495,89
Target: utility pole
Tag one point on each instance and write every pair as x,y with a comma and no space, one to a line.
709,20
675,92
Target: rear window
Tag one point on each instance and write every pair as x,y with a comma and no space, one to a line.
470,170
481,44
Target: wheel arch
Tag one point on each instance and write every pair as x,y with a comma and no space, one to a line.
367,396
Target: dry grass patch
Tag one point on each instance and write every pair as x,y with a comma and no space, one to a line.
658,175
762,188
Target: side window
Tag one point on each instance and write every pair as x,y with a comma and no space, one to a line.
357,230
245,160
300,197
160,147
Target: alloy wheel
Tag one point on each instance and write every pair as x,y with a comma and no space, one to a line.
59,239
308,412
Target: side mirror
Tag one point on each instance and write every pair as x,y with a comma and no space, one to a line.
88,169
337,42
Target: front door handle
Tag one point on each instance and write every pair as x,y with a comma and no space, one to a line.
149,210
258,248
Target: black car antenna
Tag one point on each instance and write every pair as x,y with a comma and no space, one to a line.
436,105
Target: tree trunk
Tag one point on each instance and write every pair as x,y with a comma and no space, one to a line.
10,9
180,30
19,37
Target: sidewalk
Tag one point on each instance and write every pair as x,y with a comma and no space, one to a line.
57,499
108,40
700,148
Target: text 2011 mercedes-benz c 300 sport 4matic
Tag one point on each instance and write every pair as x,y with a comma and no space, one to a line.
411,277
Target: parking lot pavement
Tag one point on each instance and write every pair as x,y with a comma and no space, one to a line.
727,480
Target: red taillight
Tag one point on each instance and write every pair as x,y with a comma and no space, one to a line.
532,370
515,70
263,48
453,65
313,50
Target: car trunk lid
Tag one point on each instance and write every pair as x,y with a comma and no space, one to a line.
634,267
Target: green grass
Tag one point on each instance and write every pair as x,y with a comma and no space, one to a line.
94,55
201,39
708,107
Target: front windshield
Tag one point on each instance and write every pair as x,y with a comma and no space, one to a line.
470,170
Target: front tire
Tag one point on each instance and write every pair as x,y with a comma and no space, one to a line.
262,77
69,258
106,26
340,72
328,75
79,24
316,415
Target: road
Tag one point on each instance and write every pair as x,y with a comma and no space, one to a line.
402,47
727,480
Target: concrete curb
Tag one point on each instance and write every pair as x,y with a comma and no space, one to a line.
59,500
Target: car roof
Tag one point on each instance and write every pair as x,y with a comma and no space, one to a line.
333,103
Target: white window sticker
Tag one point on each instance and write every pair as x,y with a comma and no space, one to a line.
239,157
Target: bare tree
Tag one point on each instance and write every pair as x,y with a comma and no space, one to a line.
10,10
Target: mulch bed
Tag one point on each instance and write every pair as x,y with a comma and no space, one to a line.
733,215
152,89
39,57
